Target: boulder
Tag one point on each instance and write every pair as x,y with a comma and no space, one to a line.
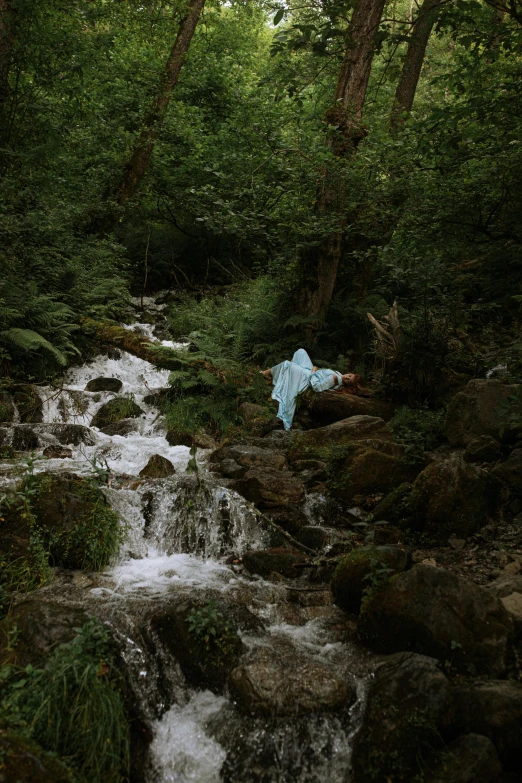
363,570
313,536
369,468
7,407
248,456
510,472
434,612
277,560
57,452
78,526
270,487
395,506
319,442
203,638
474,412
469,759
104,384
182,438
453,497
157,467
66,434
505,585
123,427
29,403
483,449
284,682
40,627
407,709
253,414
494,709
331,406
115,410
23,761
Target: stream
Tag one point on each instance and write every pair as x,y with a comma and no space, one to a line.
184,537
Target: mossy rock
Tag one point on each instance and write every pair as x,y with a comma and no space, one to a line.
7,408
370,469
23,761
313,536
353,575
29,404
277,560
453,498
395,506
157,467
115,410
78,526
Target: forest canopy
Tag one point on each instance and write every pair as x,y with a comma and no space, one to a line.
296,165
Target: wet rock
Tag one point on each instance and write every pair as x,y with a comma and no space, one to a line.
386,534
312,443
284,682
114,353
29,404
469,759
123,427
181,438
7,452
483,449
277,560
24,438
157,467
57,452
474,412
115,410
270,487
511,472
229,468
104,384
493,709
7,407
23,761
453,497
79,527
206,662
407,709
157,398
434,612
363,570
250,457
5,436
66,434
313,536
40,626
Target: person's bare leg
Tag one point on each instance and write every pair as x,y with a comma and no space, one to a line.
267,374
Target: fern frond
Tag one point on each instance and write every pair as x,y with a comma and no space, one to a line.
28,341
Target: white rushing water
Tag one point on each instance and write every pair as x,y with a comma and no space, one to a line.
182,534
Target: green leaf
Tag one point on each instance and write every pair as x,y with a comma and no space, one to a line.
279,15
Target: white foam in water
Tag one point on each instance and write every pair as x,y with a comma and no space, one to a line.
182,750
157,572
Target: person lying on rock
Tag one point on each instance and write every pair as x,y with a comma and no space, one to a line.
292,378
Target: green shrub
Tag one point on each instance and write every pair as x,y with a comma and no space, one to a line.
418,430
74,706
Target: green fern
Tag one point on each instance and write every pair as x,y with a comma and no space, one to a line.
28,341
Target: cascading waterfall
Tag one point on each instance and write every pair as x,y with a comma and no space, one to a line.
182,534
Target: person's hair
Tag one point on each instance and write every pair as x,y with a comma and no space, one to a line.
353,386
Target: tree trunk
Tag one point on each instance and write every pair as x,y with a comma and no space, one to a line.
411,69
138,163
319,265
6,46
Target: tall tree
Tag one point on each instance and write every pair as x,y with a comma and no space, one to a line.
412,66
319,265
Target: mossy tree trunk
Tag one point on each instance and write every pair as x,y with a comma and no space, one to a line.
319,264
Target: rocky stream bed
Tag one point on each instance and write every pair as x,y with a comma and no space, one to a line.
356,652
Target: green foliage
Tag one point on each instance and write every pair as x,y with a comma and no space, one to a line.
376,579
73,706
210,627
418,430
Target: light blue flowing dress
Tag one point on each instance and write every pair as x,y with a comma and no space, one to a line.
292,378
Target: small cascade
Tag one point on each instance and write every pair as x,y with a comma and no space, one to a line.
183,538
